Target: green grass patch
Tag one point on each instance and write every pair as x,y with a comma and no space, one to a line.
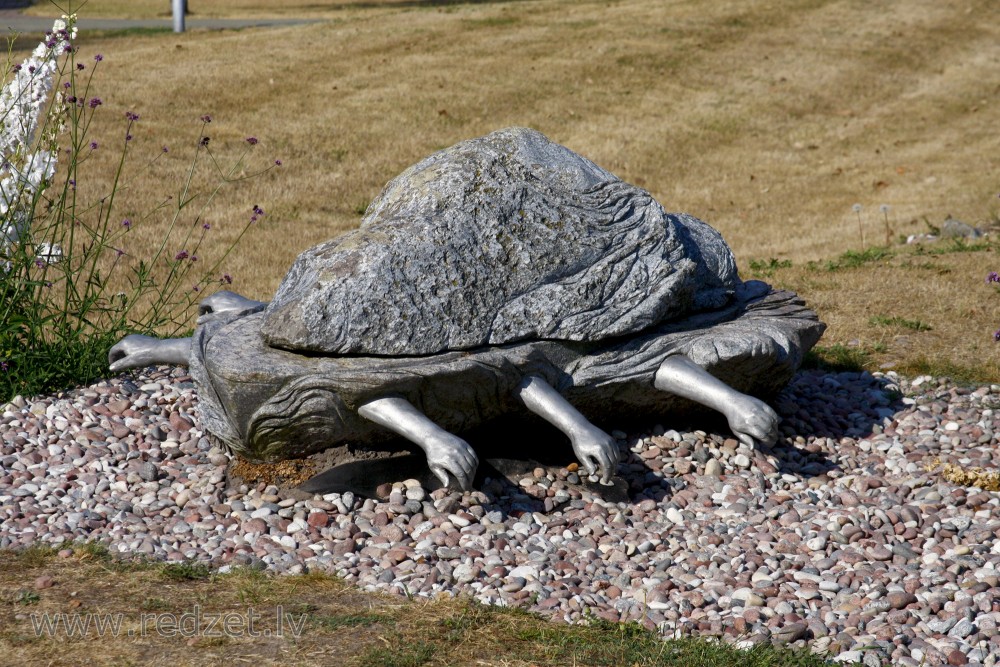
52,364
186,571
896,321
127,32
353,620
154,603
945,369
252,586
953,246
23,598
492,22
766,268
853,259
837,358
399,654
463,637
37,555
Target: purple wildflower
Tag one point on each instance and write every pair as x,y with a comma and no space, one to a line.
66,84
206,226
95,102
98,58
992,277
93,145
166,150
132,116
996,335
4,366
206,119
226,279
204,141
252,141
80,67
128,137
126,223
17,67
182,255
277,163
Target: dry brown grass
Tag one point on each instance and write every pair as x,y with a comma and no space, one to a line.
768,119
325,622
84,584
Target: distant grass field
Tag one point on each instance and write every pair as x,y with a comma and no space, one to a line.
770,119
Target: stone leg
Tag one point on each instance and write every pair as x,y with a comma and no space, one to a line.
595,449
447,454
751,420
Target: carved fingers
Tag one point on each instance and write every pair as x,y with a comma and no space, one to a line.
596,451
448,454
752,421
132,351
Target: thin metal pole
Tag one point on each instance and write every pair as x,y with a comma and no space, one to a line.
178,6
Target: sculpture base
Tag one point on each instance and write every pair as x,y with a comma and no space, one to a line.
268,404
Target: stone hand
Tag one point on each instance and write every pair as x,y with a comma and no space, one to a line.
448,454
596,451
138,351
752,421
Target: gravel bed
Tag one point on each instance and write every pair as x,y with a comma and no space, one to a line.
844,536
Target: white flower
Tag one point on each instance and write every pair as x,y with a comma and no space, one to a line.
50,253
27,169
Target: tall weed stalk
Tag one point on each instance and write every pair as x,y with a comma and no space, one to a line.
64,254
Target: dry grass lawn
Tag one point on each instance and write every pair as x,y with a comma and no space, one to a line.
769,119
182,614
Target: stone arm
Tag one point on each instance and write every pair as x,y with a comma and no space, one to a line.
595,449
138,351
750,419
447,454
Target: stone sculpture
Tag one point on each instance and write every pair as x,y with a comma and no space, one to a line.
502,274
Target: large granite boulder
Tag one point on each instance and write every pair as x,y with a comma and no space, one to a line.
496,240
